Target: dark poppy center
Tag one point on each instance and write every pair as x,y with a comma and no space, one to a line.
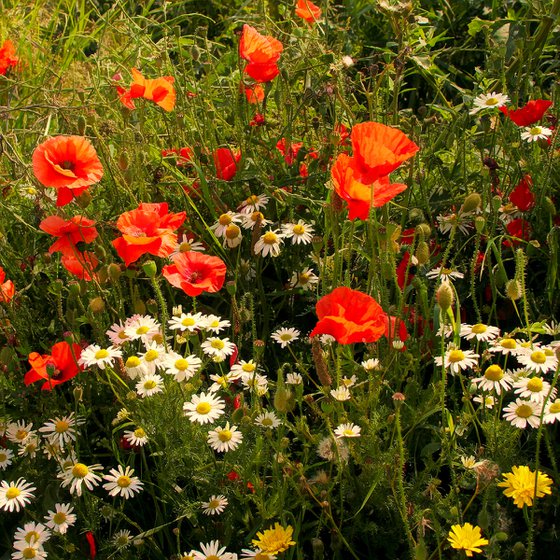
67,165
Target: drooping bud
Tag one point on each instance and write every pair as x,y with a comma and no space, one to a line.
513,290
96,305
445,296
320,363
422,252
471,203
81,125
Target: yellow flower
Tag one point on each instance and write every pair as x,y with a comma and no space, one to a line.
466,537
520,485
274,540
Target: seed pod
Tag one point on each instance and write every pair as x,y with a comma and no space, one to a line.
114,271
84,199
320,364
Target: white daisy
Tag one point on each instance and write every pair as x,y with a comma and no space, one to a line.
18,432
341,393
25,551
117,334
181,368
470,462
371,364
253,203
536,132
520,413
218,347
244,368
444,274
294,379
534,389
224,439
141,326
333,449
15,495
552,412
34,534
187,322
349,381
538,359
488,101
135,367
257,554
94,355
267,420
154,357
255,382
347,431
305,279
61,518
457,360
494,379
149,385
552,328
212,551
77,474
61,429
488,401
137,438
122,539
215,324
505,346
6,456
215,505
459,221
285,336
479,332
232,236
249,221
269,243
122,482
224,221
223,381
29,447
300,233
187,242
204,408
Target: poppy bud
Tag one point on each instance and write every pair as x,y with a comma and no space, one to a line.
423,229
513,290
445,296
195,53
479,223
114,271
317,242
152,306
472,202
496,203
518,550
74,289
549,206
81,125
84,199
416,215
231,288
96,305
283,400
150,269
102,275
318,548
124,161
78,393
139,307
422,252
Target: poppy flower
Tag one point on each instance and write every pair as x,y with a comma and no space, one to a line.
125,98
158,90
289,151
68,164
395,326
147,229
308,11
519,229
225,161
184,155
257,120
379,150
254,94
261,52
350,316
70,232
262,72
360,196
8,56
526,116
7,288
55,368
404,271
80,264
195,272
522,196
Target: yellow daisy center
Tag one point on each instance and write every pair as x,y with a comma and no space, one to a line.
21,434
548,352
479,328
213,504
348,432
212,557
270,238
181,364
494,373
142,330
3,456
149,384
29,552
266,421
508,343
158,338
59,517
12,493
535,130
79,470
555,407
151,355
535,385
61,426
232,231
248,368
101,353
203,408
253,199
217,344
32,536
225,435
224,220
133,361
285,337
122,335
139,433
124,481
257,217
298,229
456,356
538,357
188,322
303,278
524,411
184,247
491,102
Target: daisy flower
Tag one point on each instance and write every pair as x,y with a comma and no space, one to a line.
94,355
269,243
255,382
149,385
285,336
61,429
538,360
214,323
520,413
216,504
494,379
447,223
61,518
347,431
232,236
204,408
534,389
504,346
487,400
520,485
24,551
552,412
457,360
371,364
181,368
253,203
29,447
135,367
187,322
341,393
117,334
249,221
137,438
224,439
349,381
479,332
122,539
257,554
34,534
212,551
18,432
488,101
466,537
6,456
244,368
15,495
536,132
294,379
470,462
300,233
222,381
77,474
267,420
154,357
305,279
187,243
141,326
224,221
444,274
122,482
218,347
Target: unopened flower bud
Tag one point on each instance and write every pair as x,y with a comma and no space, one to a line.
139,307
84,199
124,161
423,229
472,202
513,289
150,269
445,296
114,271
422,253
479,223
81,125
96,305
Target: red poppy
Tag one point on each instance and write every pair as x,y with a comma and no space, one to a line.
289,151
225,161
126,98
350,316
70,232
257,120
395,326
195,272
526,116
360,196
158,90
7,288
308,11
262,53
184,155
519,229
8,56
80,264
262,72
147,229
379,150
404,272
68,164
254,94
522,196
55,368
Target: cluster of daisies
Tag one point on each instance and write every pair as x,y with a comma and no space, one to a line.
508,364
